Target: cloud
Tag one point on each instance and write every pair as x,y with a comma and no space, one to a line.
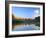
36,14
36,11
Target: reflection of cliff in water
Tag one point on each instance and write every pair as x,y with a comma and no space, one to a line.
25,21
25,27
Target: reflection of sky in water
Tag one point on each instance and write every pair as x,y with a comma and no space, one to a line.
26,27
26,12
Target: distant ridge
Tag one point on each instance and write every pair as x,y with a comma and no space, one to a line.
13,17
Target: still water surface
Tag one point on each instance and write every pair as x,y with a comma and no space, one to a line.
25,27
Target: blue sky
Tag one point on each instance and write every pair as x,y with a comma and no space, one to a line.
26,12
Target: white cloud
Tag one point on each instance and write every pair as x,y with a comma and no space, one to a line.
36,14
36,11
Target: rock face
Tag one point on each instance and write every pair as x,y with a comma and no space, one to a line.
13,17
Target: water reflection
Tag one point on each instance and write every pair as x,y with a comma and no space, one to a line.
25,27
23,24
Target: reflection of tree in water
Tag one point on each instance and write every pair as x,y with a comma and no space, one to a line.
29,21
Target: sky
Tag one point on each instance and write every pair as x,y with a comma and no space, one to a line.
26,12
